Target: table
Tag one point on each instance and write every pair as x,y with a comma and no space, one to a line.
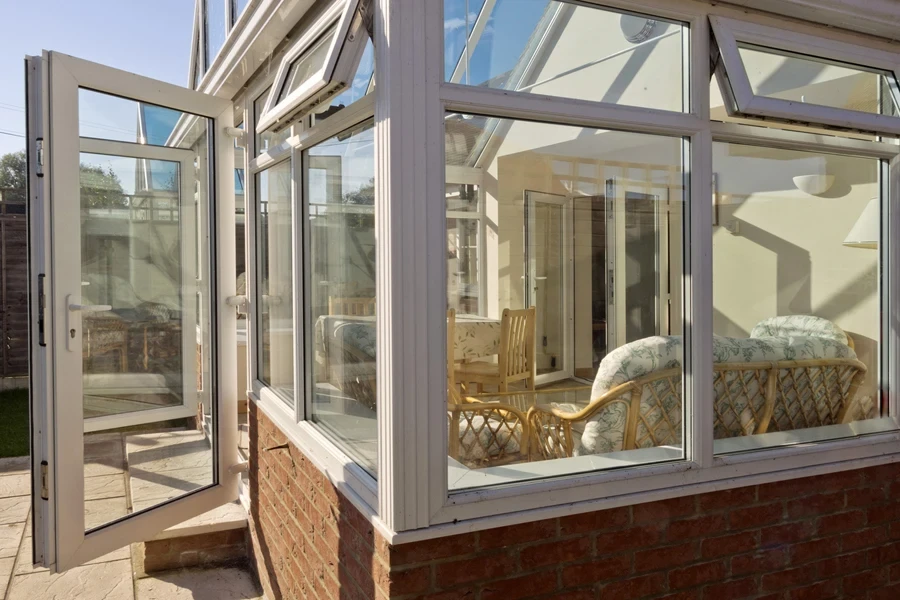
570,399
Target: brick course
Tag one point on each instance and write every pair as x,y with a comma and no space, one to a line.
835,535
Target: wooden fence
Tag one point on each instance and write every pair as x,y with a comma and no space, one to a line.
13,287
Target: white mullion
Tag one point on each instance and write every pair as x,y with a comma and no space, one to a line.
410,286
298,269
697,289
889,250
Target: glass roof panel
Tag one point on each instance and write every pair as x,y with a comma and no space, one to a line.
215,29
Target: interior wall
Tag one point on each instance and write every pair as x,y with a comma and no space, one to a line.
788,256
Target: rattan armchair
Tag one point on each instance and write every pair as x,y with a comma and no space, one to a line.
750,398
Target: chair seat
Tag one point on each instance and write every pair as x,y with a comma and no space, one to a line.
477,369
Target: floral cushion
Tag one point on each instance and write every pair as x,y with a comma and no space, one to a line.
799,325
661,408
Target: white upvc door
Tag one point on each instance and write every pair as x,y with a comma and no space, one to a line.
549,282
637,256
132,277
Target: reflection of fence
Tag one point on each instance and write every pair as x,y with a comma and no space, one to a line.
159,207
13,284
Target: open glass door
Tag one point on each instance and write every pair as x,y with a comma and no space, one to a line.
638,284
548,282
133,344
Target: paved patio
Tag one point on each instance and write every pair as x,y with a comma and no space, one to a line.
110,577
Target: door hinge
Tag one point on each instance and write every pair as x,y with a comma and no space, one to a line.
45,486
39,157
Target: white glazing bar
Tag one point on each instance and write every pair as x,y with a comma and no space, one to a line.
410,286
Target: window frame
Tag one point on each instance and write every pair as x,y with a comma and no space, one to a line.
411,501
356,483
741,101
344,53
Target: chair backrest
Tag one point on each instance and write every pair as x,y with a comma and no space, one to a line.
750,398
355,307
516,359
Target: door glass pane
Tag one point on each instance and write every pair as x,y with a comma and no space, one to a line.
796,284
275,280
108,117
581,286
798,78
546,277
340,180
538,46
463,282
308,64
146,320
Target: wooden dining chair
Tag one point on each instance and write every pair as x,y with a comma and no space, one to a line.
354,307
515,361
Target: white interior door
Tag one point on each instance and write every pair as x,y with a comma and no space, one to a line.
548,282
637,262
132,260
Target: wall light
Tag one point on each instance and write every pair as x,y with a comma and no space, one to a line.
865,232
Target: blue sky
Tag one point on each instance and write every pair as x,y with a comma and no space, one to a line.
125,34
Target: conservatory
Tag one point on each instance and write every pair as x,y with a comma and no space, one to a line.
576,297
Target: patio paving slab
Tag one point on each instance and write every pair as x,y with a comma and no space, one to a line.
15,485
25,567
190,584
6,567
15,509
103,581
10,536
104,486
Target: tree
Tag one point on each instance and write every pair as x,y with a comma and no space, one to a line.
13,173
99,188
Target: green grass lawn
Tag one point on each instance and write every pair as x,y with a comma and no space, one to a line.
13,423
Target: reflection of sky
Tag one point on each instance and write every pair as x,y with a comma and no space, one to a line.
360,83
498,49
357,156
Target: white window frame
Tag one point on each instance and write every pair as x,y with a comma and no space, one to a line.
740,100
411,500
353,480
344,52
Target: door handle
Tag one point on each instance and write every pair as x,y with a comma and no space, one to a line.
72,321
90,307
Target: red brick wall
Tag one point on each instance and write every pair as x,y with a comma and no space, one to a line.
820,537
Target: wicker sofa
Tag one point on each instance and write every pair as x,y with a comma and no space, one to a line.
792,373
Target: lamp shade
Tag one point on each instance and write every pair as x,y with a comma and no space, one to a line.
865,232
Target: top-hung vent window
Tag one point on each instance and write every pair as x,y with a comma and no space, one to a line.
771,73
320,65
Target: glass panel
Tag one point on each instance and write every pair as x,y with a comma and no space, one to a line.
795,278
216,29
340,179
580,288
108,117
308,64
146,332
798,78
363,83
275,280
538,46
239,6
463,282
266,139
